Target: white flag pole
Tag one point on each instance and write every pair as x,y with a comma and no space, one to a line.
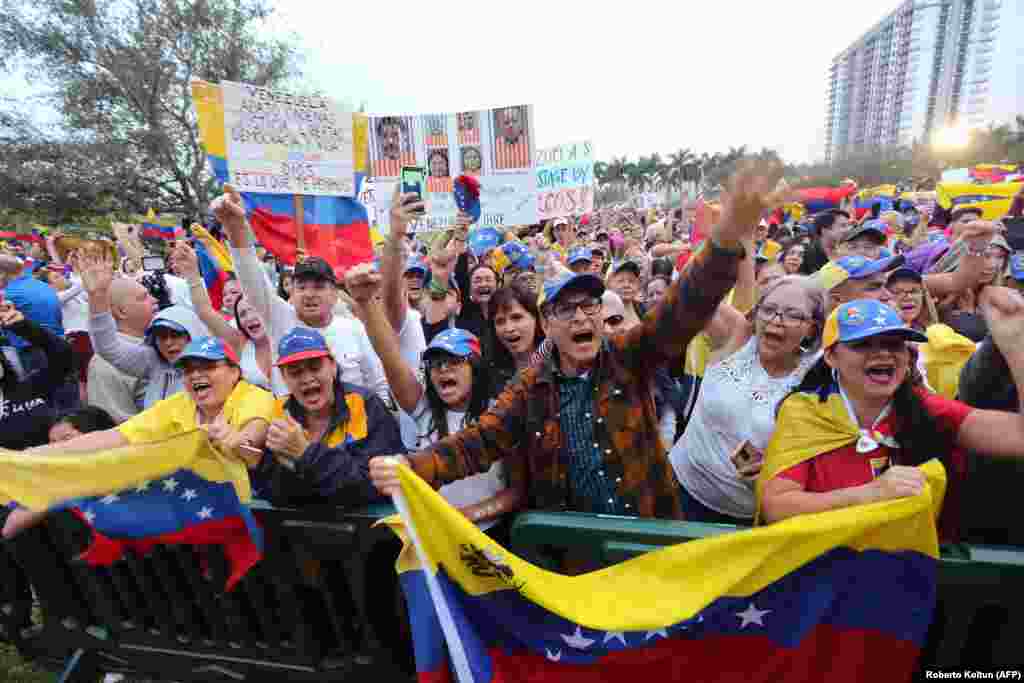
460,661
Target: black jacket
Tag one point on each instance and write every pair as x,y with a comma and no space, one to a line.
335,470
27,407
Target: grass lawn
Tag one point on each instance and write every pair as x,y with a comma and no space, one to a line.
14,670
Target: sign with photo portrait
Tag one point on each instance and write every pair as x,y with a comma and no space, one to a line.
495,145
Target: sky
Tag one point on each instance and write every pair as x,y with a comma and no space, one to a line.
634,77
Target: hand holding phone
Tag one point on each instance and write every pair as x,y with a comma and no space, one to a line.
413,182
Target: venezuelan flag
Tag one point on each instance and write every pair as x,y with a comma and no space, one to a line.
213,277
175,491
846,596
817,199
993,200
161,228
336,229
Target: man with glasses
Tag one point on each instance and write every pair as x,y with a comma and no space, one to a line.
578,430
867,240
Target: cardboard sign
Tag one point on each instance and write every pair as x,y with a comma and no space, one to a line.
565,180
279,143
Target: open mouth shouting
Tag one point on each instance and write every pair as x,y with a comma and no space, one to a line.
202,390
881,374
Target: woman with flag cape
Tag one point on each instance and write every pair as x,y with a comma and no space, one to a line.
854,430
234,414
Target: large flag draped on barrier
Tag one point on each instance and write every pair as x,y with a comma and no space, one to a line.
846,595
175,491
336,229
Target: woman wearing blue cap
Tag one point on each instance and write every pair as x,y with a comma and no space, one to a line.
854,430
216,399
452,393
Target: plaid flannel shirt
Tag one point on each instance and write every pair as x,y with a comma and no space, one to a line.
522,427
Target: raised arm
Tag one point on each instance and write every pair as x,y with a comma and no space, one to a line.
392,259
690,303
186,263
997,432
363,284
275,312
133,359
973,241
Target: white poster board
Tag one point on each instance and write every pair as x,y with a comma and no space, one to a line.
278,143
565,180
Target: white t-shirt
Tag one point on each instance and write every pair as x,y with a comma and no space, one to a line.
346,337
471,489
411,343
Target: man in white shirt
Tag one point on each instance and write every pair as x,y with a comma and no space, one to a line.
313,299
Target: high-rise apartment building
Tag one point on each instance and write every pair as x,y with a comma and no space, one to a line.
928,65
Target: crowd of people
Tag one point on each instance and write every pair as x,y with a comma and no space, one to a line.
604,363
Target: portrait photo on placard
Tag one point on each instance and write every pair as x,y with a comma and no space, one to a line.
472,160
511,137
468,124
391,144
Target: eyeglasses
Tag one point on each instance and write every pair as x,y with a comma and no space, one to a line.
614,320
875,344
786,316
565,310
445,363
907,293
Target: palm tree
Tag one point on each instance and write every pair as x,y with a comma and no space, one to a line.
682,164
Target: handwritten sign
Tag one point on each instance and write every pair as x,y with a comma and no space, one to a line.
279,143
505,200
565,180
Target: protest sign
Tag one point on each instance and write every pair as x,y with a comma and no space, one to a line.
279,143
368,198
495,145
565,180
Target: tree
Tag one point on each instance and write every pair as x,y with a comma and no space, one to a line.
120,75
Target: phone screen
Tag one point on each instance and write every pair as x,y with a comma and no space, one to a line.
412,180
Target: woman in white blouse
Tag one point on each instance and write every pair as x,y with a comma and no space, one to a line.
719,455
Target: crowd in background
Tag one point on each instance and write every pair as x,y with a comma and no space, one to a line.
629,362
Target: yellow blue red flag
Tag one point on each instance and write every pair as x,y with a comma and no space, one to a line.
845,595
176,491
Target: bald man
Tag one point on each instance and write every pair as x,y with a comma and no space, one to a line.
118,393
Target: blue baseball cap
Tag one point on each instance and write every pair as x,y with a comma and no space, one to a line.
579,254
301,343
835,273
456,342
1017,265
875,228
417,265
207,348
518,255
585,281
862,319
166,324
482,240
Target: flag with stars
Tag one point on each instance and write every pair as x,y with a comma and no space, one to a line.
846,595
175,491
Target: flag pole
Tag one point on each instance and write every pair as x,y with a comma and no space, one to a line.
300,229
456,651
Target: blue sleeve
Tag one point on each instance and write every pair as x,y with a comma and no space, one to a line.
340,475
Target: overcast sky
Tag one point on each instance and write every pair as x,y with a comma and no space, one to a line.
635,77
